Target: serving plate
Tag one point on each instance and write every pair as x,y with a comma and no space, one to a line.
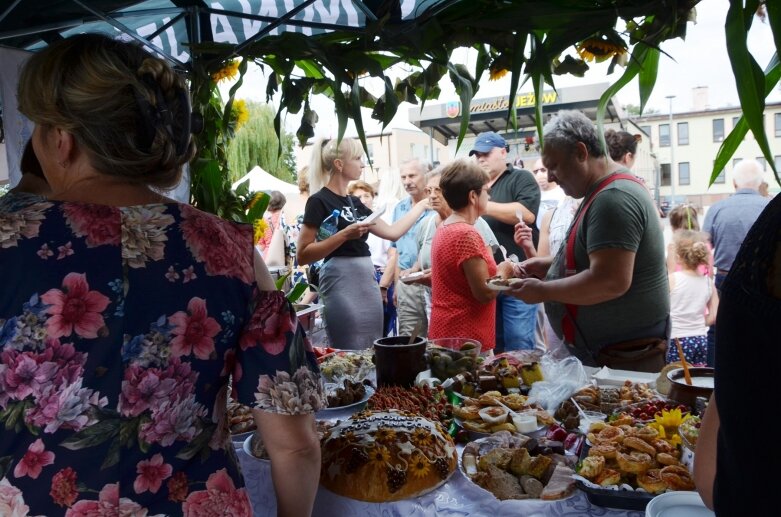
493,284
477,435
677,504
355,365
482,446
340,412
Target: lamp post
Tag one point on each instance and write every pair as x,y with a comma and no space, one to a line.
672,154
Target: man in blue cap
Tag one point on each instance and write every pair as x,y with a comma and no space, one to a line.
513,191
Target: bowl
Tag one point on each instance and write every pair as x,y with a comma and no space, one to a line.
448,357
702,385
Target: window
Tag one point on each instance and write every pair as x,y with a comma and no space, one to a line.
666,176
664,135
684,177
370,147
762,162
778,162
683,133
778,124
646,130
736,161
735,121
718,130
722,177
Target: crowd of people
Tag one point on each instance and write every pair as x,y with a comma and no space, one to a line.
127,318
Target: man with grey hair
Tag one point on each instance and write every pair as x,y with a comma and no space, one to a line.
410,298
606,292
728,222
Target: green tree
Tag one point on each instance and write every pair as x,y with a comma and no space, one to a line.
256,143
633,110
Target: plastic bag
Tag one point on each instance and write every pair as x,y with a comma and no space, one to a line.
562,378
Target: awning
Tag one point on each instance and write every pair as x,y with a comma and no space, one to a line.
490,114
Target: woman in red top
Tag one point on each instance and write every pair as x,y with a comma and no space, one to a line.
462,304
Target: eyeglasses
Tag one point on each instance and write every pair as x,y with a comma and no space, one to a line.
432,190
541,169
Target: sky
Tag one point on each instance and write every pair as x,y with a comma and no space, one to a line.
700,60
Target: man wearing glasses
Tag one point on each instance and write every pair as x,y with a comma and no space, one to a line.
514,192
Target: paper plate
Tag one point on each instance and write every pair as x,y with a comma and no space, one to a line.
677,504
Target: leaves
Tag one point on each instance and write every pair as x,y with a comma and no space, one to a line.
735,138
749,78
92,435
462,81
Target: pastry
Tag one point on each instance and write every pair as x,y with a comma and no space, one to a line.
386,456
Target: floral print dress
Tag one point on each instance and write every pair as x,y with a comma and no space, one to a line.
119,331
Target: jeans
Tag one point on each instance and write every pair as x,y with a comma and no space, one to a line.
516,322
711,354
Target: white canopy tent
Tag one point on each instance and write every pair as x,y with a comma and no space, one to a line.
262,180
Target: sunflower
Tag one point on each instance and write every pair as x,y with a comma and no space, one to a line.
496,74
598,49
239,112
379,456
385,435
229,71
667,422
260,226
419,465
421,437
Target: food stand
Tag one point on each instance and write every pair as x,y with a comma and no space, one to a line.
626,396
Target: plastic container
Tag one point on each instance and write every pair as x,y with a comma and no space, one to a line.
451,356
329,226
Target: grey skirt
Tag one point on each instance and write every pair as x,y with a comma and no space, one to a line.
352,302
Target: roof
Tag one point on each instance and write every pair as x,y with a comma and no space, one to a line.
490,114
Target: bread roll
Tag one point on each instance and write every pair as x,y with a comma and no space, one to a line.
386,456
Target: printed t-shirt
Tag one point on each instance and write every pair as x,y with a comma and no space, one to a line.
322,203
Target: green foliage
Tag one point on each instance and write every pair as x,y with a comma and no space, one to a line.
531,38
256,143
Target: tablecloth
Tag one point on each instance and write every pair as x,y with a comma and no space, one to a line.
457,497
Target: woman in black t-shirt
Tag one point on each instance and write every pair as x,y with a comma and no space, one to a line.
353,304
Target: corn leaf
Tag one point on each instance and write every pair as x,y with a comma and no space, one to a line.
749,79
738,133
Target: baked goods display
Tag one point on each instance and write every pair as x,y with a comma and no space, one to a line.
380,456
609,399
240,419
636,456
515,467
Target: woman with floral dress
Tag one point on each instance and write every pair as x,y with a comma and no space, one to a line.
124,314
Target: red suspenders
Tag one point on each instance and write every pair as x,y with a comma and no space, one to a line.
568,321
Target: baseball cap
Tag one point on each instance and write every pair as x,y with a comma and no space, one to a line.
486,141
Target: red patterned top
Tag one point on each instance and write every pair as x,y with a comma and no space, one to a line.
454,311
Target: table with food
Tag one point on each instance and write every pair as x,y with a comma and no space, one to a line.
518,433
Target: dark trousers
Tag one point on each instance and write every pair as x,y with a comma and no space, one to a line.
711,355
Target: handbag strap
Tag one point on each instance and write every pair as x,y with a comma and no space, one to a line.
568,321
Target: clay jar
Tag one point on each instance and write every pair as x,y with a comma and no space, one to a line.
399,362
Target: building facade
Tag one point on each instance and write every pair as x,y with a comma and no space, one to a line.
686,150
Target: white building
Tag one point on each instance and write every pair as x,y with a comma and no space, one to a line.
696,136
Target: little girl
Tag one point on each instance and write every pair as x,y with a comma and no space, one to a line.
690,294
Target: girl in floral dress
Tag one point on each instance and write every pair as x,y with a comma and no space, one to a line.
124,314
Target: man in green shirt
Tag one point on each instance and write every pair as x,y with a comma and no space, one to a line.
609,299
